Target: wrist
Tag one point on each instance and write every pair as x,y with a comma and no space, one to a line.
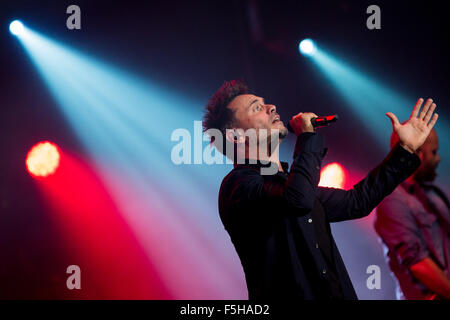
407,148
308,129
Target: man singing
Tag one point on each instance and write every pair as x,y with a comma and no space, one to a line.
280,223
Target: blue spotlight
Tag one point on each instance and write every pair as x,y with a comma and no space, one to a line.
307,47
109,110
16,27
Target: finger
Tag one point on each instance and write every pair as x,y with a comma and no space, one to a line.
433,121
425,108
296,119
429,113
393,118
416,109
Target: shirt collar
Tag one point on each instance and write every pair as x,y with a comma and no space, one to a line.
259,164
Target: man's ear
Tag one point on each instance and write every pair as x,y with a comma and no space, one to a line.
235,135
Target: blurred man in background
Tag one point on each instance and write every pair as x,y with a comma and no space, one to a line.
414,224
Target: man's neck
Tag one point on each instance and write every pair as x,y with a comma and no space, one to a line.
268,157
417,180
274,157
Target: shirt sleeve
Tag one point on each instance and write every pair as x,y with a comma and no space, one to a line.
298,190
358,202
397,228
304,175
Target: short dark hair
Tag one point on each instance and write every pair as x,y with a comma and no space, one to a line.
218,115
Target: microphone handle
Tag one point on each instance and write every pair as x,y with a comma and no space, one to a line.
318,122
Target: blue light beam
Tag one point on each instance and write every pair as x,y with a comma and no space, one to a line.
125,123
369,100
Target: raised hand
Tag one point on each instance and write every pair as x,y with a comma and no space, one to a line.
415,131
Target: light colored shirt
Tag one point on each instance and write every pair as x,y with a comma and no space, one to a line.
414,223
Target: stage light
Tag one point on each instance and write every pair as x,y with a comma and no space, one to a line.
16,27
332,176
109,110
43,159
367,97
307,47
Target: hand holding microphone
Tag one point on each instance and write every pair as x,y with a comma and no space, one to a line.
308,121
302,123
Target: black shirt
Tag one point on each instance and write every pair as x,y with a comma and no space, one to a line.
325,289
279,224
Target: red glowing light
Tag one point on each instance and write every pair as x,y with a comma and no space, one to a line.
332,176
43,159
96,236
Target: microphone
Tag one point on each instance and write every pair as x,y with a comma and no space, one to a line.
318,122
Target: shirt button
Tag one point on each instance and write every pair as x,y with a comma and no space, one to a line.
310,220
324,271
402,159
317,246
317,167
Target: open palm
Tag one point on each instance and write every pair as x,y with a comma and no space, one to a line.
413,133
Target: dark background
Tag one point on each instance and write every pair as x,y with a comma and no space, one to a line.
194,46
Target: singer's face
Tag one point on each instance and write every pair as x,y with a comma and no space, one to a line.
430,158
251,111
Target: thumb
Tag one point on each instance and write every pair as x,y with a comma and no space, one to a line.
393,118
